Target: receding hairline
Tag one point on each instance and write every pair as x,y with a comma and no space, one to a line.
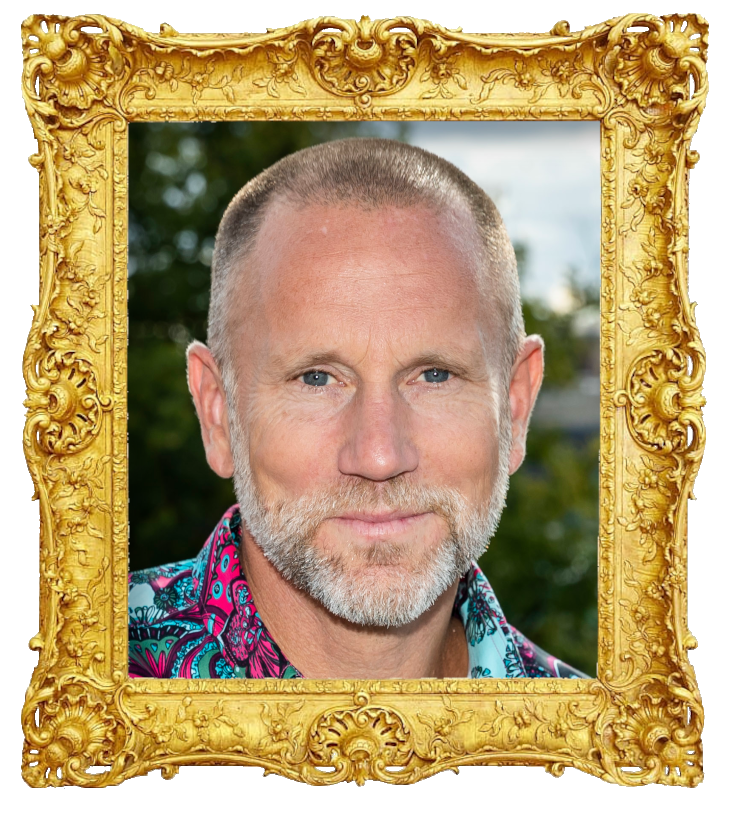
365,174
458,223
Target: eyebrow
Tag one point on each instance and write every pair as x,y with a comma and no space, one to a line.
287,362
458,360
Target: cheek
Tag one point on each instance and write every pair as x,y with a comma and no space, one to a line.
292,456
459,447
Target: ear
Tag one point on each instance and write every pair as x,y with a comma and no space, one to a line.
526,378
209,397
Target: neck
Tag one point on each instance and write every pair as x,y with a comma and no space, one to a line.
324,646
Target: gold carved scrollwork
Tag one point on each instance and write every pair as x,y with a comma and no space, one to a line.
361,742
365,59
443,74
536,75
65,408
656,737
70,727
664,402
68,66
84,80
445,729
653,67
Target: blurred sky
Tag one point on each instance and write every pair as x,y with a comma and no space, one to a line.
544,177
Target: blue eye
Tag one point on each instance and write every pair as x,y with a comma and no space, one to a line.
315,378
436,375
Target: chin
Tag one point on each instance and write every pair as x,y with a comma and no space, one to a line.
387,588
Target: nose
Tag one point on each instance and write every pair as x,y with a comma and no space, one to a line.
378,443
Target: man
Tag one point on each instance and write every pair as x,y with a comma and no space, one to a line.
368,385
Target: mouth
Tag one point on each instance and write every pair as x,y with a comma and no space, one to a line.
381,524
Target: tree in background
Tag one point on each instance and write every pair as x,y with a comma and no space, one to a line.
542,562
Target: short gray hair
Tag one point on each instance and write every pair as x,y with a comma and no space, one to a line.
370,174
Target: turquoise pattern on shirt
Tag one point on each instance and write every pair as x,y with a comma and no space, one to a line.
197,619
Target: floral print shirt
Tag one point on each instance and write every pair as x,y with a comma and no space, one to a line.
196,619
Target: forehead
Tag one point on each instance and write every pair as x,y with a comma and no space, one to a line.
340,272
300,248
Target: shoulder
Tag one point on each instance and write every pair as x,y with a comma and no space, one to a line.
163,591
156,592
495,647
162,607
539,664
173,631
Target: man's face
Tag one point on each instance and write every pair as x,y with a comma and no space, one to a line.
366,435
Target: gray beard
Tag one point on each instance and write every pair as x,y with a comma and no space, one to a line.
349,584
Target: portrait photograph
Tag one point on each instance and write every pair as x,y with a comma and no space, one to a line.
373,391
546,177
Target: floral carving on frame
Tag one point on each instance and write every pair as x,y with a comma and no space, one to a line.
84,80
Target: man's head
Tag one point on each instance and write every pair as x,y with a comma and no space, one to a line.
370,385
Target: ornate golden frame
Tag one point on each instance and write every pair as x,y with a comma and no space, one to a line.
85,721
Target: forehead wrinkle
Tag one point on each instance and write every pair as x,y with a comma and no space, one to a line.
363,291
352,281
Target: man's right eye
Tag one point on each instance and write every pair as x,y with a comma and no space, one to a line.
316,378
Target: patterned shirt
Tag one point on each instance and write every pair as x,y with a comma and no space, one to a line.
197,619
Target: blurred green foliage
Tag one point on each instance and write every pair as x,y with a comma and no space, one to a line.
542,562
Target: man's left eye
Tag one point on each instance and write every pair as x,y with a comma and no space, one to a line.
436,375
316,378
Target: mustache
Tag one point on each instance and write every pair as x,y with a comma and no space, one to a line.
359,495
